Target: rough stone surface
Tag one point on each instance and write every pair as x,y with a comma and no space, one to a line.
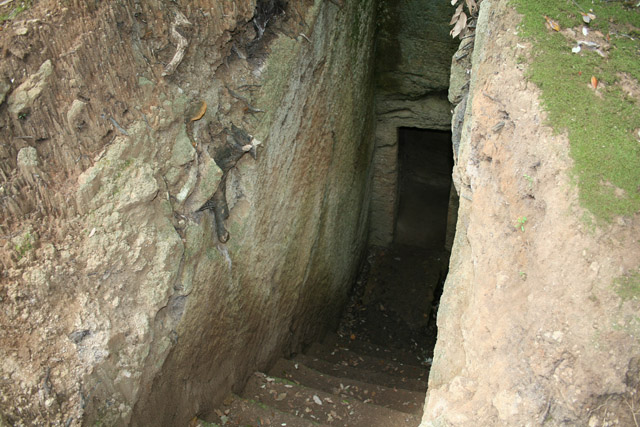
4,89
414,47
120,306
75,115
25,94
412,74
531,330
27,159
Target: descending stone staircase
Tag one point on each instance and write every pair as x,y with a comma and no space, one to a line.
340,382
372,373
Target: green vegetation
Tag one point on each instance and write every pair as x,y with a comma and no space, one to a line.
521,222
25,245
628,287
602,123
15,11
122,166
529,180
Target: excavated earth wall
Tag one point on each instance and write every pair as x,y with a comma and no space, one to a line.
532,326
120,304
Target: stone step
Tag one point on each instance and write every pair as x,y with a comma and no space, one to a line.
318,406
356,373
237,411
398,399
369,349
342,355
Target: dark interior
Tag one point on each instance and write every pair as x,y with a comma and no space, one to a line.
425,162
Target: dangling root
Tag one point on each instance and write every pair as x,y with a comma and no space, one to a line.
221,211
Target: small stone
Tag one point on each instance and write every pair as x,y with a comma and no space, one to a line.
79,335
24,95
182,151
27,159
74,115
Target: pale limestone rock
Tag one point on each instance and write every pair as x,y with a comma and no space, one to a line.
74,115
188,186
27,159
139,186
297,229
182,152
209,177
507,402
28,164
30,89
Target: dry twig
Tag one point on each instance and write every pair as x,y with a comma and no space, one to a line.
181,41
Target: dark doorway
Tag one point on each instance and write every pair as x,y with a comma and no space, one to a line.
425,164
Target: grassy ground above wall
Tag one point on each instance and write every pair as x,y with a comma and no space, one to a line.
11,10
602,123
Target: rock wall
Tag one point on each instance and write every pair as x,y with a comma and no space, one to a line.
533,328
413,54
121,304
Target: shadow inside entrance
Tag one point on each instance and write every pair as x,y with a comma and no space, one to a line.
425,162
395,301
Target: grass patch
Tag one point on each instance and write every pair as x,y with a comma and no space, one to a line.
19,7
628,287
25,245
601,123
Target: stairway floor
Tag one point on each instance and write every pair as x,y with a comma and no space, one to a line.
394,301
373,371
319,406
393,398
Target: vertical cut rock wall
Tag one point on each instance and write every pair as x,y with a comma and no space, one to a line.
120,120
532,329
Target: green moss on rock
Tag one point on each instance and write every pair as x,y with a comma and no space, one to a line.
601,123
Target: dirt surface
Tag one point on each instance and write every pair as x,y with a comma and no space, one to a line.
332,409
399,399
395,299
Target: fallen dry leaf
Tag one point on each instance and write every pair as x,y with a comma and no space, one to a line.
594,82
552,24
461,24
198,115
588,17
